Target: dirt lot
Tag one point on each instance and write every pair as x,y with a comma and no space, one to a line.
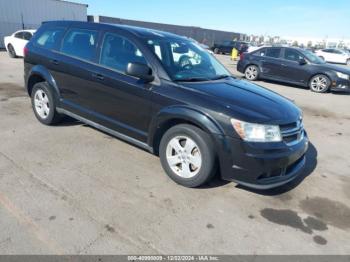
71,189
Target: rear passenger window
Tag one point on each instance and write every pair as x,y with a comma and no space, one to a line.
117,52
27,36
19,35
273,52
80,43
260,52
49,38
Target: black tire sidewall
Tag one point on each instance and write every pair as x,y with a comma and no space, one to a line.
205,145
51,117
324,91
11,51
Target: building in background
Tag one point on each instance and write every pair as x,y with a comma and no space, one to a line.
202,35
29,14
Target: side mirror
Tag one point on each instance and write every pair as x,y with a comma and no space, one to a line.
141,71
302,61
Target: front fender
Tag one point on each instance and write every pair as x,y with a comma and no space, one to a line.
42,72
183,113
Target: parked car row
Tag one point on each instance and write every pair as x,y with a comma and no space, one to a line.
296,66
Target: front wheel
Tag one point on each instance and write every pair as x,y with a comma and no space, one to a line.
187,155
320,84
348,62
251,73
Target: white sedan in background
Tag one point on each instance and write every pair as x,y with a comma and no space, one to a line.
334,55
16,42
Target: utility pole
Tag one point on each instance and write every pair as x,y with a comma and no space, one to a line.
22,21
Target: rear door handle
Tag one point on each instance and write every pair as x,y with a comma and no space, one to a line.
54,61
98,76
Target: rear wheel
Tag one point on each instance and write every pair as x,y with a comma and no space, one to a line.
320,84
348,62
216,50
11,51
43,104
187,155
251,73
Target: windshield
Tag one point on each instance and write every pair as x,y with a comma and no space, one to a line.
185,60
312,57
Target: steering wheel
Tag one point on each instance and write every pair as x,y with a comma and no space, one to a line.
185,62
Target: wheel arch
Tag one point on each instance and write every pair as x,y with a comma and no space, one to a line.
41,74
172,116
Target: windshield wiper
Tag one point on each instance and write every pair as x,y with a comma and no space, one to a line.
220,77
192,79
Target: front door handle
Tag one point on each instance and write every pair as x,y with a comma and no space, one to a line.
54,61
98,76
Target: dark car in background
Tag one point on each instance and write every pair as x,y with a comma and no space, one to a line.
130,82
227,46
295,66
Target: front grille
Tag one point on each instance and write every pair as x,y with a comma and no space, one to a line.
292,133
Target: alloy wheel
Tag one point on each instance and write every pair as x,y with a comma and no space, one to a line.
319,84
183,156
41,103
251,72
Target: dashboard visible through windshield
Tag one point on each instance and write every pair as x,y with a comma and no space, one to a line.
185,60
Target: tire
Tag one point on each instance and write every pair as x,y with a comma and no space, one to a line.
11,51
252,73
190,166
320,83
43,104
348,62
216,51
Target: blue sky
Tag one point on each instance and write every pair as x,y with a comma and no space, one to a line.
310,18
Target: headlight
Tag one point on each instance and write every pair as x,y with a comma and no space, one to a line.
343,76
257,132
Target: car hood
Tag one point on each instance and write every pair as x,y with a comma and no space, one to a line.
248,102
327,66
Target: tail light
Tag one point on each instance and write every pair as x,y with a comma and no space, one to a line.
25,51
241,56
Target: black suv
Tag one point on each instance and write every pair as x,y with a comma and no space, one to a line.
166,94
295,66
227,46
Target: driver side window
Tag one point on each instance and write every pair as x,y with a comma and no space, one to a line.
117,52
292,55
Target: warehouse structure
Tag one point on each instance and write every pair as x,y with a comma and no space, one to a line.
29,14
202,35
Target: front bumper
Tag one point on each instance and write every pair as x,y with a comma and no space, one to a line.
260,165
341,84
